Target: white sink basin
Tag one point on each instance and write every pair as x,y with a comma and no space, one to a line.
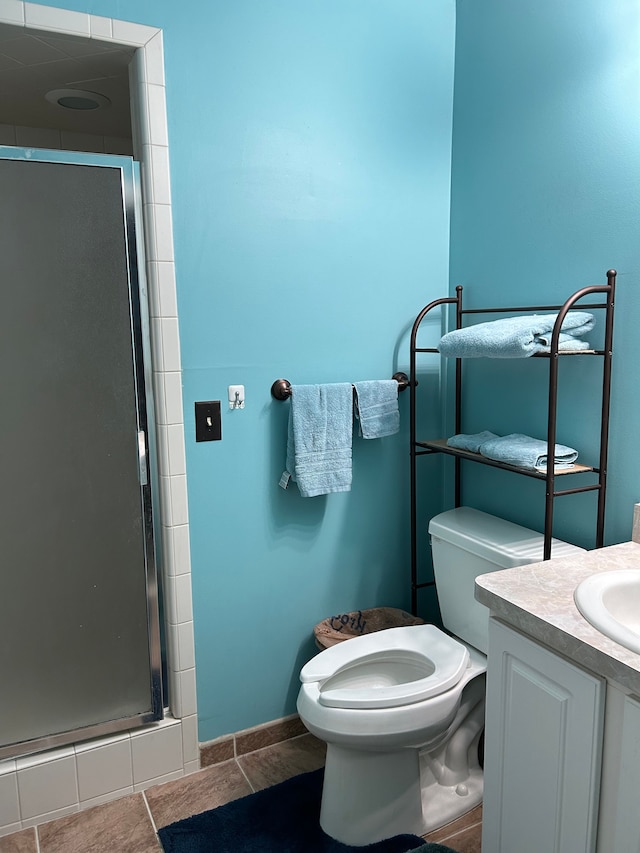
610,601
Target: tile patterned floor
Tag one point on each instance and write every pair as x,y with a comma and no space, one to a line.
129,825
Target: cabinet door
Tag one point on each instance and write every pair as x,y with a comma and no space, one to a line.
543,749
619,824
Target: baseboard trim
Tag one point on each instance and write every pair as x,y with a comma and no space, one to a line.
248,740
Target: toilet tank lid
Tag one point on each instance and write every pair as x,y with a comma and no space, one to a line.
501,542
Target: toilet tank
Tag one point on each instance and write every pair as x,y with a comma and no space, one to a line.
466,543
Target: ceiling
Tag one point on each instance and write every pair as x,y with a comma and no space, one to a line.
32,62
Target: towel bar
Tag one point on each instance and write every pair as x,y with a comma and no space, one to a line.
281,388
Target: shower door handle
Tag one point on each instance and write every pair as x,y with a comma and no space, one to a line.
142,458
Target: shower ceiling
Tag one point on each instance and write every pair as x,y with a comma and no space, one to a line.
33,62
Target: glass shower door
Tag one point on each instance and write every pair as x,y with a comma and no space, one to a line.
79,628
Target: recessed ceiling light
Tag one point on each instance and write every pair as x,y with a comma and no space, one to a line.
77,99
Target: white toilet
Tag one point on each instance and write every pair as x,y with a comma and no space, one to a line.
402,710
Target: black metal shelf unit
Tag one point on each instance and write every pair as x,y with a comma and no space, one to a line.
554,356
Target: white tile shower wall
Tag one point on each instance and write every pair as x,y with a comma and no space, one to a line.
9,803
50,784
63,140
42,787
47,787
635,532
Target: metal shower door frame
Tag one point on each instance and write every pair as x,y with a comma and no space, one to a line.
145,416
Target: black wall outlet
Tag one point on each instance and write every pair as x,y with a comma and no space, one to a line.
208,422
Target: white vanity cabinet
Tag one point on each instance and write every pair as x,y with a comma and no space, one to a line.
544,735
619,820
562,766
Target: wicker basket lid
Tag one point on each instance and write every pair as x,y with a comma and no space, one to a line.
344,626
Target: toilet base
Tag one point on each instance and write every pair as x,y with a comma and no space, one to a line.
368,795
451,775
443,804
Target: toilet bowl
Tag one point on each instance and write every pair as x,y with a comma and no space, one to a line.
402,710
378,704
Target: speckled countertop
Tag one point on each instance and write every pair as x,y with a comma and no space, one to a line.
537,599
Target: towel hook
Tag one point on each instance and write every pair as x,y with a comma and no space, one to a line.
281,388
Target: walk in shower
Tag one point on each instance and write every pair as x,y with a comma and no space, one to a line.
79,634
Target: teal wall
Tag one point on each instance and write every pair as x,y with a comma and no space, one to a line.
545,199
310,174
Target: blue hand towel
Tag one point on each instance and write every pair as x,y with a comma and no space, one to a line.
527,452
319,440
516,337
471,442
377,407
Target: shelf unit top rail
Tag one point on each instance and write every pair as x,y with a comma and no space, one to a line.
515,309
528,308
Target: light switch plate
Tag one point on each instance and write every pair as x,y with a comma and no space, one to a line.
208,421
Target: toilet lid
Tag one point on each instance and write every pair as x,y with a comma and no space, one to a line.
397,666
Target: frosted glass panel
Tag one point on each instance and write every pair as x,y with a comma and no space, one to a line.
74,639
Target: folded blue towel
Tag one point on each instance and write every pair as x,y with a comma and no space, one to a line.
516,337
470,442
377,407
319,439
566,343
526,452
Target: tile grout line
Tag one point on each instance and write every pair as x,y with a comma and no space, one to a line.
153,823
245,775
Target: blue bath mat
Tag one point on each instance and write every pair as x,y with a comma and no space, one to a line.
281,819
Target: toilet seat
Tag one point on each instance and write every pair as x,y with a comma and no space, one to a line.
387,669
